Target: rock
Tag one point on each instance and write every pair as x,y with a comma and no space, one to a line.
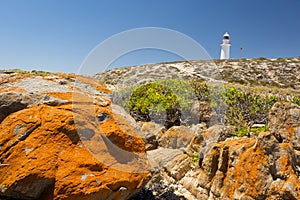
203,113
262,167
284,123
217,133
205,140
121,112
255,168
57,159
238,168
38,85
11,102
162,156
151,131
177,137
179,166
198,128
57,146
170,165
55,101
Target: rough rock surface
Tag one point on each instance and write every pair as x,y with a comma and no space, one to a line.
151,133
262,167
55,144
177,137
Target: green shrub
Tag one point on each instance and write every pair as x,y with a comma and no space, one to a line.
156,102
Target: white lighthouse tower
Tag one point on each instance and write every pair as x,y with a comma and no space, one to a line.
225,51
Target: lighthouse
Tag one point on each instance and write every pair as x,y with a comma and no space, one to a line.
225,51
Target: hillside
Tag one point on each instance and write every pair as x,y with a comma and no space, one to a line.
281,72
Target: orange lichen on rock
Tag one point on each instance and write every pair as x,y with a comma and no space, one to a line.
100,86
249,172
45,157
13,78
250,168
103,89
12,89
62,95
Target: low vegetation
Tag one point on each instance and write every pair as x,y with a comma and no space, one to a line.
235,105
29,73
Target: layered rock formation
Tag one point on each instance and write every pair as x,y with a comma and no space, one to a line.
60,144
262,167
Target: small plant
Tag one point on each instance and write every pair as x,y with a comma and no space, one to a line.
241,132
296,100
258,130
195,158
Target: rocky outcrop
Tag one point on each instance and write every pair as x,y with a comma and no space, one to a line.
227,167
59,144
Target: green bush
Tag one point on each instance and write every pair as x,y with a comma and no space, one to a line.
156,102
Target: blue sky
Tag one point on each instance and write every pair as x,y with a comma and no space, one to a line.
57,35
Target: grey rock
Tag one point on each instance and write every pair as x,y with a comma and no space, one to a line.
162,156
30,187
150,133
177,137
38,85
11,102
52,101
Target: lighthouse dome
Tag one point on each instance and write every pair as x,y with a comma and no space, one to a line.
226,36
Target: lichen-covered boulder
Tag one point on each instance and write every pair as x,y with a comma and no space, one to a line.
77,147
265,167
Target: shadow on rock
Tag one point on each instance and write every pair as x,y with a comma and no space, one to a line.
147,194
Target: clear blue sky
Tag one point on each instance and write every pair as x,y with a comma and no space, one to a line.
57,35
